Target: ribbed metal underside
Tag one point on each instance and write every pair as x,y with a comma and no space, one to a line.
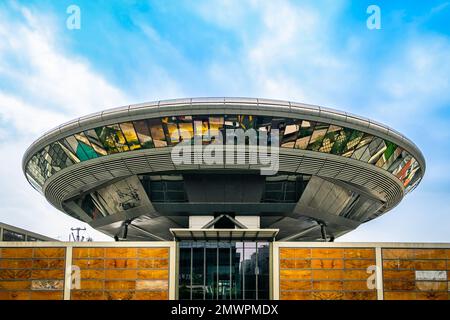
87,175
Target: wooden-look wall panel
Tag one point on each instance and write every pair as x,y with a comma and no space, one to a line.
326,273
327,253
122,273
32,273
416,274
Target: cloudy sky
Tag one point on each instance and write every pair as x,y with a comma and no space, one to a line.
318,52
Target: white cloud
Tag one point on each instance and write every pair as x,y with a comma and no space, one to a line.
294,55
47,86
48,83
23,207
286,51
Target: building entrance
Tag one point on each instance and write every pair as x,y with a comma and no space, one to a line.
223,270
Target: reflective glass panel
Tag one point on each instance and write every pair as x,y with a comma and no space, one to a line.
387,154
249,269
68,150
330,138
184,274
60,159
223,270
305,132
157,132
414,180
246,122
185,127
375,150
143,134
231,121
290,133
362,146
320,129
78,144
216,126
171,130
106,136
43,162
198,266
263,273
9,235
130,135
201,128
341,140
211,271
351,144
35,171
96,144
118,137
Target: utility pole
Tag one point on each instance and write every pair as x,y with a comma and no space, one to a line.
77,237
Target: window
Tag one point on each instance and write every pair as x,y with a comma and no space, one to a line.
157,132
164,188
81,146
216,126
284,188
130,135
223,270
389,155
171,130
373,150
362,146
351,144
96,143
60,159
201,128
320,129
340,141
330,138
185,127
290,133
9,235
143,134
305,132
113,138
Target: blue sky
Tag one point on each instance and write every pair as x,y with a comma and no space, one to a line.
318,52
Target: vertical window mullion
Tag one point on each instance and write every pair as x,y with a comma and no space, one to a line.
243,271
256,271
204,271
190,272
217,272
231,283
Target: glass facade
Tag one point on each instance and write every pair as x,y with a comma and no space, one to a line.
9,235
284,188
169,131
223,270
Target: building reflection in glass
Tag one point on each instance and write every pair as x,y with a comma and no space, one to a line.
223,270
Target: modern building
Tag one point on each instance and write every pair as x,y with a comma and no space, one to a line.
225,179
12,233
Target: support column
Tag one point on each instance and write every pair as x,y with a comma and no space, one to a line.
173,274
275,271
68,273
379,273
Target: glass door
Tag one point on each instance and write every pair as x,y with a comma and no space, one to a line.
223,270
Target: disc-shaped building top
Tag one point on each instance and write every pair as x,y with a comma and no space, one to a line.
115,170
